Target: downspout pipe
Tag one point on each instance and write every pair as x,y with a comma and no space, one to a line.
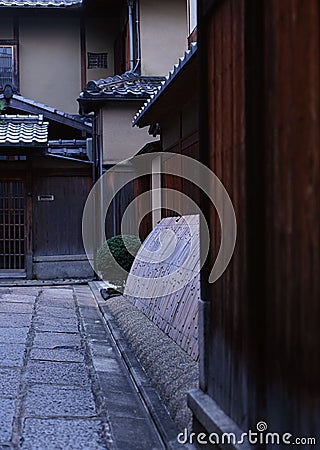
130,20
94,180
100,173
138,60
94,148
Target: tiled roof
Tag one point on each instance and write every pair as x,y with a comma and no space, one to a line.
69,147
23,130
127,85
32,107
168,80
39,3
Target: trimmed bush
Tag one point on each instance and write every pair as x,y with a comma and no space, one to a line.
120,250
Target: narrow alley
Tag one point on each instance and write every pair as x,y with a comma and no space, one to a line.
62,382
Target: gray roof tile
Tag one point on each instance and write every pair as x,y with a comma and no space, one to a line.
168,80
33,107
39,3
69,147
22,130
127,85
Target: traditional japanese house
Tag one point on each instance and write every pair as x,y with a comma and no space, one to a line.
172,113
45,177
48,52
114,101
149,25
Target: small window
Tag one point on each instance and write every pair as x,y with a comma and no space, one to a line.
13,157
8,64
192,15
97,60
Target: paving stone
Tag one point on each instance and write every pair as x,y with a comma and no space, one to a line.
98,337
56,302
52,340
96,330
15,320
117,383
63,373
34,291
15,308
11,354
4,291
99,349
58,354
59,325
120,404
110,365
55,312
18,298
63,434
9,382
57,328
18,337
7,408
134,434
44,400
89,314
57,292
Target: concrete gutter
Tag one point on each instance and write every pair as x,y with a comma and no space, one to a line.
162,372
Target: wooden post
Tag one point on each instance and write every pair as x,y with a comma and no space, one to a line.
28,218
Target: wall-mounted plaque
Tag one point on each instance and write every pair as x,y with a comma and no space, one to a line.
45,198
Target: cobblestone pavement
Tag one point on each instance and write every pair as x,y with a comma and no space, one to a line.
62,383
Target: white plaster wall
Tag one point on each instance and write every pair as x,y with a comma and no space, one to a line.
163,31
120,139
50,66
6,28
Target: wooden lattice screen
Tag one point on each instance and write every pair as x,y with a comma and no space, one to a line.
175,313
12,253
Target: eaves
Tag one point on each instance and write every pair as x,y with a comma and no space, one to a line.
91,103
177,71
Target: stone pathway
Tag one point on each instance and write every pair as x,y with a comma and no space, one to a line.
62,383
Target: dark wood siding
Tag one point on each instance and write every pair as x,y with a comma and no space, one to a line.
57,223
260,121
188,146
223,150
140,186
120,203
292,179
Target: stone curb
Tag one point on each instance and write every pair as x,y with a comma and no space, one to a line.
160,415
5,282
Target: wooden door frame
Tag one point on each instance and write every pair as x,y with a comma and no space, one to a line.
28,194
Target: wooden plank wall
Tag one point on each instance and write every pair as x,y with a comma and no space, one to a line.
140,186
292,179
188,146
117,208
222,147
259,133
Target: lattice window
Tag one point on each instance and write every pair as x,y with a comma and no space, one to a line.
97,60
8,64
13,157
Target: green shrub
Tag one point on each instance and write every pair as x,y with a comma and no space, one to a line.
119,249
